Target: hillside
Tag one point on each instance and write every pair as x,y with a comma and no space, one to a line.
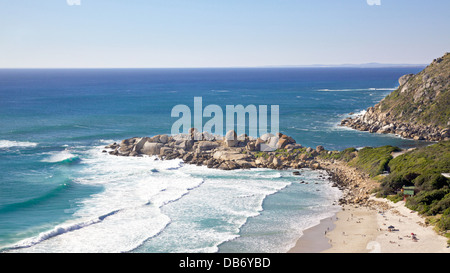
422,168
418,109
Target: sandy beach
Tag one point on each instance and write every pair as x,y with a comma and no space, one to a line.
362,225
362,229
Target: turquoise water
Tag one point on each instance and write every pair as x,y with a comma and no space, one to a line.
60,193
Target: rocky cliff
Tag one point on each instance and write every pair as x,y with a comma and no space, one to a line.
418,109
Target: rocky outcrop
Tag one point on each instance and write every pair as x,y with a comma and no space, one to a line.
356,185
247,152
419,109
227,153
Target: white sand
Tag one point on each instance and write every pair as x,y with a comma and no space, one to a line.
362,229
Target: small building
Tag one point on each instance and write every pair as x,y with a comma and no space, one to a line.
408,191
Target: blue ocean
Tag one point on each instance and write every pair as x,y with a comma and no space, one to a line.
60,193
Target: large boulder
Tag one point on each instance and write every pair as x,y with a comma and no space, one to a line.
320,148
266,137
184,144
251,146
165,151
231,139
154,139
273,142
151,148
208,136
261,161
206,146
282,142
258,144
163,139
230,155
140,143
277,162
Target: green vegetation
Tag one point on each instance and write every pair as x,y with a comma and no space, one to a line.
373,161
421,168
346,155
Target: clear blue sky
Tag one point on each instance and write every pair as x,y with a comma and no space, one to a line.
220,33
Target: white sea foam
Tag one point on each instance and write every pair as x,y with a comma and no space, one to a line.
214,212
60,156
126,213
360,113
179,208
5,144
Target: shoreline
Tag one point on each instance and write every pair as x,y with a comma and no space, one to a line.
313,239
362,224
361,229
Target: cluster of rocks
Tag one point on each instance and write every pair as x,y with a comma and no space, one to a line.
375,122
227,153
357,187
243,152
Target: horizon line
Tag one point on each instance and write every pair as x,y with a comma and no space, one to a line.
362,65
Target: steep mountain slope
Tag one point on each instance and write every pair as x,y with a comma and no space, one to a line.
419,108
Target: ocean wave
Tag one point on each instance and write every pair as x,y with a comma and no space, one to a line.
63,157
37,200
136,210
56,231
125,214
127,227
60,230
5,144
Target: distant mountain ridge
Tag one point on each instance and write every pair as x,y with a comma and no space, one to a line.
418,109
363,65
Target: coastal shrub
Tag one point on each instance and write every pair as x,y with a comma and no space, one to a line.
262,154
433,159
423,169
430,181
447,211
345,155
395,198
374,161
444,223
393,183
441,207
429,202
